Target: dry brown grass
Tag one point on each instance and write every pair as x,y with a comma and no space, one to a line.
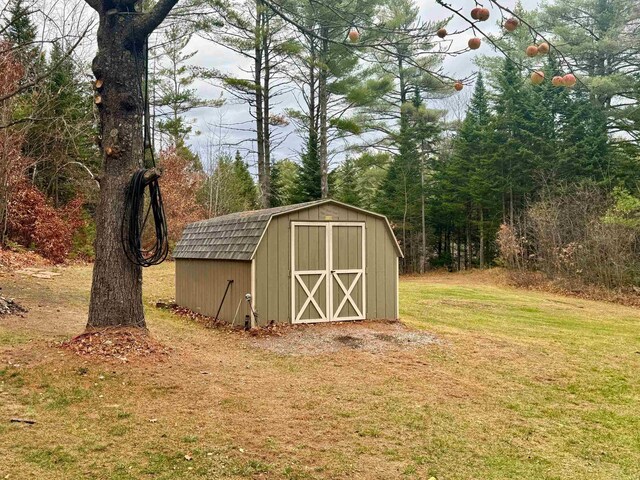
519,385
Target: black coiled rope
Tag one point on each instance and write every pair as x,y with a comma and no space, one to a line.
134,219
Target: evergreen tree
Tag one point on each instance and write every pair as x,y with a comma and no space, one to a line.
172,84
284,182
61,149
346,184
584,153
230,188
310,178
20,28
473,171
21,32
246,185
602,45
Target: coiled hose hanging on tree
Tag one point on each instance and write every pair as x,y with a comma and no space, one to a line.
134,219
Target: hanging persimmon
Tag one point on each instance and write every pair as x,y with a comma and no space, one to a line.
474,43
511,24
569,80
537,77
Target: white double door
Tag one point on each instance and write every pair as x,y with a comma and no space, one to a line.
327,271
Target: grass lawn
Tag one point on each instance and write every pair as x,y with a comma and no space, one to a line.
520,385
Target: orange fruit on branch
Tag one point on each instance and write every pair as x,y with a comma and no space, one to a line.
511,24
557,81
442,32
474,43
537,77
532,51
354,35
543,48
483,14
569,80
458,86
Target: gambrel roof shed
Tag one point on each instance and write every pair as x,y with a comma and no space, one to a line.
237,235
314,261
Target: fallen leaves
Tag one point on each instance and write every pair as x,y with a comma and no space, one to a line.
123,344
11,260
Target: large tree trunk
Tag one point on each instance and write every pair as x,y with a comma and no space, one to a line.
266,95
116,292
257,72
323,100
423,221
481,245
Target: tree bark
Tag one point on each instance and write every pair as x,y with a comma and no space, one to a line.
257,72
481,245
323,100
266,95
116,291
423,253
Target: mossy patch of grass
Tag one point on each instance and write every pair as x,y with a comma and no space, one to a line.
50,458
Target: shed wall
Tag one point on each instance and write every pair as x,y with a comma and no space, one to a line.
200,286
273,264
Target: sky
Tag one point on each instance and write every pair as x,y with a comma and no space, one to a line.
208,120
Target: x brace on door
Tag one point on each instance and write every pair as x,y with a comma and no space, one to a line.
330,277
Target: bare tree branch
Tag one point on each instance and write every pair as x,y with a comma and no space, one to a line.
53,68
147,23
95,4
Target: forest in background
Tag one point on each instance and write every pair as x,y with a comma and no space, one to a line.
535,177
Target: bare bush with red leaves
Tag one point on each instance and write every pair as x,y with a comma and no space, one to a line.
25,216
32,222
180,183
12,163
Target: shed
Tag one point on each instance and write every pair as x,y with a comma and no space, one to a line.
319,261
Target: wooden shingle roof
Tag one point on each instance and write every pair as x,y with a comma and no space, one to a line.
230,237
236,236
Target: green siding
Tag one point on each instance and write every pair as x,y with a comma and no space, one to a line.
200,286
273,262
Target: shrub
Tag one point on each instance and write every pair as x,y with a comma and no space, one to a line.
581,234
34,223
180,183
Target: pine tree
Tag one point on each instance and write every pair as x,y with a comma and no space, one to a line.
602,46
21,32
61,149
584,149
347,188
20,29
172,88
285,176
473,170
246,185
310,178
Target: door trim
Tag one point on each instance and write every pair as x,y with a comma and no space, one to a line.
329,275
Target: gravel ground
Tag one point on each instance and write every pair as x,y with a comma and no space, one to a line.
318,339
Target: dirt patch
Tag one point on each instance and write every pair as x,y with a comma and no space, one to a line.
373,337
120,344
38,273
